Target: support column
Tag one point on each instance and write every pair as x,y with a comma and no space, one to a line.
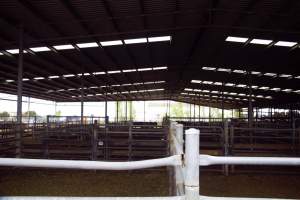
81,100
20,93
126,111
81,108
144,110
250,106
192,164
117,114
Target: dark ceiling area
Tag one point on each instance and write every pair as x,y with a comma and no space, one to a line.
154,50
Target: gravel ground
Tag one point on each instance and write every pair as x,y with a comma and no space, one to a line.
146,183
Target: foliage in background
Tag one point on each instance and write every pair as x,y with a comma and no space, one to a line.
4,114
29,114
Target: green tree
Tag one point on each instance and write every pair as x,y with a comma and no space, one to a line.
177,110
30,114
58,113
4,114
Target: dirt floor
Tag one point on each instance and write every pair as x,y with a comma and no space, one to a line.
149,183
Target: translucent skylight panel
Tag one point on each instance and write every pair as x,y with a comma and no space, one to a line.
239,71
188,89
270,74
275,89
263,88
261,41
111,43
287,90
241,85
39,49
223,70
196,81
9,81
297,91
207,82
255,73
144,69
159,39
129,70
64,47
87,45
285,75
38,78
53,77
217,83
209,68
68,75
285,44
236,39
99,73
14,51
25,79
135,41
229,84
160,68
114,72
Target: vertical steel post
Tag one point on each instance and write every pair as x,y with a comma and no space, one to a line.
20,93
192,164
126,111
144,110
81,101
226,144
250,106
117,110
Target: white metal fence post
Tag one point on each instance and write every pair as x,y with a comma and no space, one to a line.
191,164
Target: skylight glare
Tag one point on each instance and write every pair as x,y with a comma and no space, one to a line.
98,73
129,70
270,74
236,39
209,68
39,49
68,75
9,81
285,44
135,41
261,41
63,47
87,45
239,71
25,79
160,68
53,77
223,70
38,78
15,51
111,43
144,69
114,72
159,39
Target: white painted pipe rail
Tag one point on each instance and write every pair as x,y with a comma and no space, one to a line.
91,165
206,160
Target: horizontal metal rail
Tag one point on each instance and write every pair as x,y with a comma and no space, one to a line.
91,165
206,160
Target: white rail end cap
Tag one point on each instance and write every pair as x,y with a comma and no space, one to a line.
192,131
